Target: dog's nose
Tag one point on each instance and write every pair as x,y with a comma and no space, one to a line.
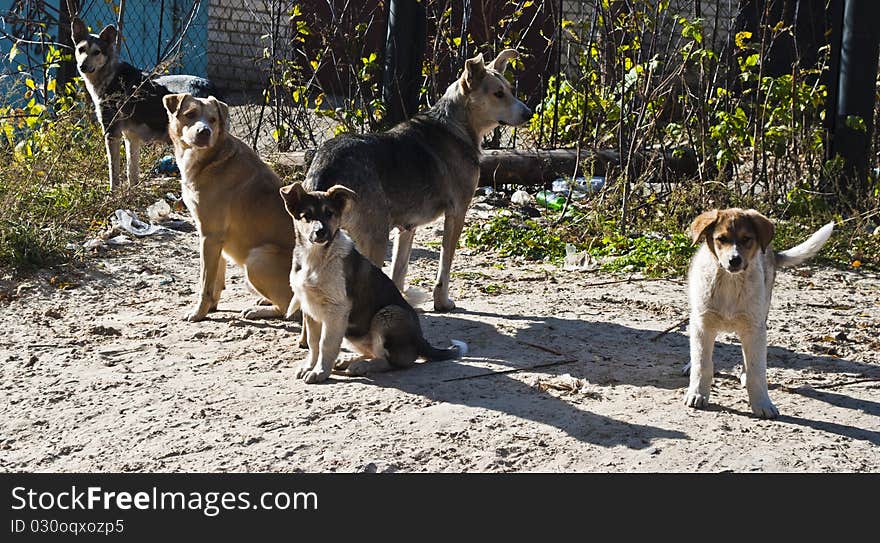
203,135
735,261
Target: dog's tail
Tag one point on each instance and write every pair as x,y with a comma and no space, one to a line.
806,250
433,354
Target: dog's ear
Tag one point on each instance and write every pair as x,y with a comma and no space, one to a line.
292,196
341,197
172,102
222,111
78,30
702,225
474,71
108,34
500,62
764,229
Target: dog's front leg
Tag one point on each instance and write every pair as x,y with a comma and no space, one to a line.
209,263
292,308
311,329
330,342
400,259
133,159
702,369
111,144
452,225
754,349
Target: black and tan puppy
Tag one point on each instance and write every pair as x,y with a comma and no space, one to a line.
344,296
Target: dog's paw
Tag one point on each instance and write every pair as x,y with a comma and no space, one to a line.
765,409
195,315
444,305
343,363
260,313
357,368
315,376
694,399
302,369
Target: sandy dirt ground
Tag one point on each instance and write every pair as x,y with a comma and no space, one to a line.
565,373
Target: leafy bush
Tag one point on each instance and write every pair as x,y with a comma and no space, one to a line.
53,173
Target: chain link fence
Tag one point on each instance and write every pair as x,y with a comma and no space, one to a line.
299,71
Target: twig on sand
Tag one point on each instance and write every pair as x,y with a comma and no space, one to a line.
630,280
514,370
541,347
829,386
671,328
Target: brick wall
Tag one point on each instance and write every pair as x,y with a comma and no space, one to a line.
235,49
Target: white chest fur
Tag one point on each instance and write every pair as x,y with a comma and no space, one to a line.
726,300
317,278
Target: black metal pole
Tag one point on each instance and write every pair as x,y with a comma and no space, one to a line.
67,68
404,52
856,50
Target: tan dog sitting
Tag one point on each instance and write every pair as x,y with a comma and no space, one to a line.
233,197
730,284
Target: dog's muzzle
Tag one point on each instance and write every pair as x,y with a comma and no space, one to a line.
319,233
202,137
524,115
735,264
86,69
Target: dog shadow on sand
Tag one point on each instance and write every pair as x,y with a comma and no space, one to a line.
601,353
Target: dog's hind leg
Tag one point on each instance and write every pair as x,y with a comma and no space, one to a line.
754,349
111,144
400,257
267,269
452,226
133,158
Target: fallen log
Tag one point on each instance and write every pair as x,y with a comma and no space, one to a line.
542,166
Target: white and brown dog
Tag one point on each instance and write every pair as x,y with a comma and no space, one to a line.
730,283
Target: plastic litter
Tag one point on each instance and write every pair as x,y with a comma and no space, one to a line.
578,260
484,191
128,221
550,200
159,211
166,165
521,198
579,186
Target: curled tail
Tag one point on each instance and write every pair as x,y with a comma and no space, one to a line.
433,354
806,250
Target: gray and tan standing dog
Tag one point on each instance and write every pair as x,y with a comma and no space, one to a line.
128,102
345,296
730,285
422,168
233,197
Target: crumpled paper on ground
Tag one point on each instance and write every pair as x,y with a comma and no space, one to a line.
125,221
566,384
578,260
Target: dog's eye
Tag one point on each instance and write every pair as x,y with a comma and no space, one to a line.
746,239
499,94
190,114
329,213
723,239
212,120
